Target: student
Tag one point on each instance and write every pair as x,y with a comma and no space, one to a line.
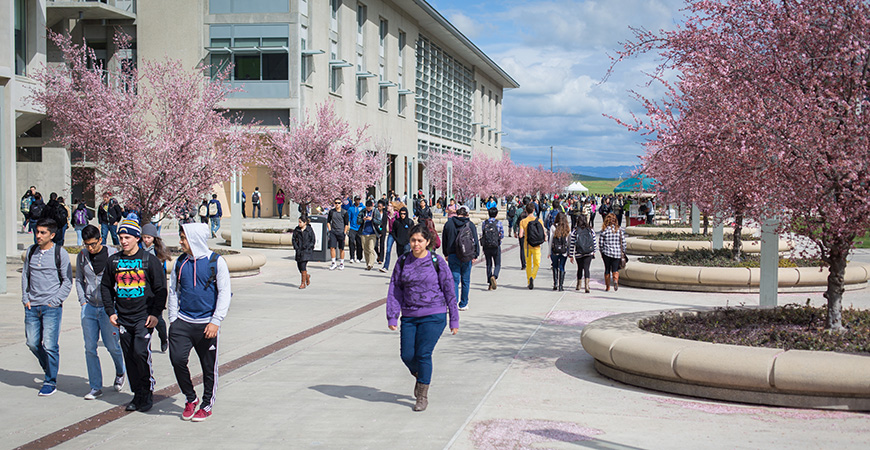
559,234
80,218
215,212
133,290
462,248
354,239
279,200
45,283
90,265
389,219
583,247
492,233
337,224
199,298
303,244
401,232
255,203
153,243
533,235
421,292
611,241
369,220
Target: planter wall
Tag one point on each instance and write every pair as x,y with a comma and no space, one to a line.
722,279
650,247
261,240
649,231
769,376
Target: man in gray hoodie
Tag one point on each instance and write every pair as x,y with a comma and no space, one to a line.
45,283
199,298
90,265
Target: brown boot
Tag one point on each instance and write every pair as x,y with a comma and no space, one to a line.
422,393
607,282
615,281
579,280
302,283
307,279
585,283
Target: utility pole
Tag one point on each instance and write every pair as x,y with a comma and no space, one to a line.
551,158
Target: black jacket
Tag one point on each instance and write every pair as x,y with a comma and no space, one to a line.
111,214
303,243
402,229
451,230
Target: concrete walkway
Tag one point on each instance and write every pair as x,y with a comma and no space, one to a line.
514,377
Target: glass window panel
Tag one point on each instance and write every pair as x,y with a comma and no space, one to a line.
246,42
276,66
218,62
247,67
223,42
275,42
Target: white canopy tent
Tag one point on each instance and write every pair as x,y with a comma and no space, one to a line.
577,187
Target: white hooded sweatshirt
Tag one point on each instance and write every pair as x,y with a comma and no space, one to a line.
197,237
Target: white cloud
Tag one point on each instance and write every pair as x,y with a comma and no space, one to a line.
468,26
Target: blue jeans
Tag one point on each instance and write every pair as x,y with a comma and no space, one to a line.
558,261
41,330
387,252
418,338
95,323
280,210
461,273
106,229
493,262
215,225
79,229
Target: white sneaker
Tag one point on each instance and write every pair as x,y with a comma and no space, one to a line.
119,382
94,394
333,266
463,308
341,267
350,261
382,270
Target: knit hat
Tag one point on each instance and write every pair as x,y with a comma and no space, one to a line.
130,226
150,230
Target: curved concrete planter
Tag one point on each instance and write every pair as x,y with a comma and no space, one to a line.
261,240
650,247
767,376
649,231
726,279
244,264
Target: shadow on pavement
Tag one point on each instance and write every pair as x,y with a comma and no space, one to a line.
74,385
366,393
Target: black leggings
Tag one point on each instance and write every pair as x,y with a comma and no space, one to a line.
583,264
302,266
611,265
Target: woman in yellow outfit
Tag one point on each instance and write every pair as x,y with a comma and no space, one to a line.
533,252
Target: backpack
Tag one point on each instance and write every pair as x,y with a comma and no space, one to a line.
56,263
61,216
203,210
255,198
80,217
25,204
465,243
490,234
212,209
512,211
535,233
559,245
36,211
212,268
584,243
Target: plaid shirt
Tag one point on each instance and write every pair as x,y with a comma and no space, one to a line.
612,244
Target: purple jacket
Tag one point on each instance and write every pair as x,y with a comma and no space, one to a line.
418,290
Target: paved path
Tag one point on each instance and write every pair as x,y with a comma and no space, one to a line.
514,377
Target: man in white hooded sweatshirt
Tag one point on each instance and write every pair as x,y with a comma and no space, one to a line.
199,298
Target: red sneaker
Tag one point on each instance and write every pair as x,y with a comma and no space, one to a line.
201,415
189,410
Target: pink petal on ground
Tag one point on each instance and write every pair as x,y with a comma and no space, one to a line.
521,434
575,318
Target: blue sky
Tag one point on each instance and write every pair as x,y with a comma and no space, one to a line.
558,52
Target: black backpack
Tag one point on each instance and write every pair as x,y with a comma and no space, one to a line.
490,234
255,198
512,211
465,243
535,233
584,243
559,245
36,211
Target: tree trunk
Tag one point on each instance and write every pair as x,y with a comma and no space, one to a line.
737,242
834,294
706,224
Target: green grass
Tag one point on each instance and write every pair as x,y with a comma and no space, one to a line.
600,186
860,242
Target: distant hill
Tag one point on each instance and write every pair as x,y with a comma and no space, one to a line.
579,177
599,173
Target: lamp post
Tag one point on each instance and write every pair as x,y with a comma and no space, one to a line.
236,212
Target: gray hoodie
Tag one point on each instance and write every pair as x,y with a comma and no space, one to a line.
197,237
87,282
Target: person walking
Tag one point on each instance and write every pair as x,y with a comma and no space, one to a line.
522,240
492,233
46,281
368,233
532,229
199,299
203,211
244,202
279,200
354,240
80,218
582,249
611,241
255,203
390,215
215,212
560,233
337,224
133,290
422,211
37,211
401,232
451,208
381,229
511,215
303,244
461,246
90,265
56,211
24,207
153,244
422,295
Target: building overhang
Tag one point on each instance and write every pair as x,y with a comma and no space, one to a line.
55,11
434,25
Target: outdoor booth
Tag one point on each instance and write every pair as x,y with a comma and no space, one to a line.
637,189
321,252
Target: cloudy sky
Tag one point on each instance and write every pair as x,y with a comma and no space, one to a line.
558,52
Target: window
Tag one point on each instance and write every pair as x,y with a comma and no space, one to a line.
401,103
335,79
361,88
305,65
334,5
401,52
360,23
382,97
246,6
382,35
20,37
254,59
28,154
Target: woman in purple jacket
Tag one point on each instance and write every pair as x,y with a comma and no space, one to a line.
422,293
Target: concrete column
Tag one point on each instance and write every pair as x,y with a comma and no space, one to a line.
6,180
236,212
696,219
718,236
449,194
769,283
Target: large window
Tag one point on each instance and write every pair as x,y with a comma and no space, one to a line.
254,59
247,6
445,88
20,12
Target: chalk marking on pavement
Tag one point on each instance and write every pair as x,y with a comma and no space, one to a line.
498,380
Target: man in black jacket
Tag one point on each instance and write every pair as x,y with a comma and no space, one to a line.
108,215
461,269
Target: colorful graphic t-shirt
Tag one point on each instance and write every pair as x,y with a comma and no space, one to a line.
134,286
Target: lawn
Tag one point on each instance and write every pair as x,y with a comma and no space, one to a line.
600,186
861,242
